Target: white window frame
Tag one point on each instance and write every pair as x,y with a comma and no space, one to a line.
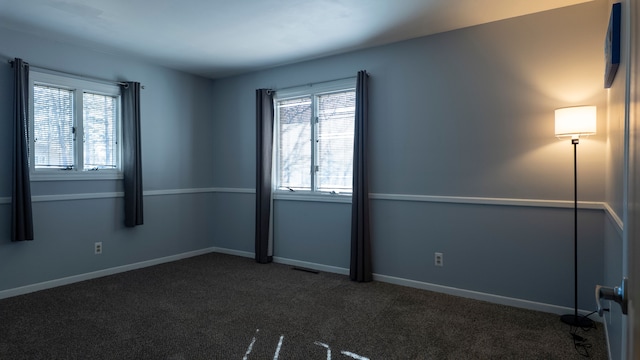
79,87
311,90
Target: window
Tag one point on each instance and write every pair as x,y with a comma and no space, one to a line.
315,128
74,126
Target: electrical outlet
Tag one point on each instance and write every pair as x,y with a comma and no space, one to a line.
97,249
439,260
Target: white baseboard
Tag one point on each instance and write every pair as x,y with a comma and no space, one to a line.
606,334
470,294
496,299
309,265
492,298
97,274
286,261
246,254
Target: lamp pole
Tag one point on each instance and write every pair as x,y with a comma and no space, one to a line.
574,319
575,226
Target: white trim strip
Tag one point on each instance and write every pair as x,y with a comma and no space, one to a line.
233,190
346,199
100,273
182,191
619,225
66,197
105,195
489,201
57,175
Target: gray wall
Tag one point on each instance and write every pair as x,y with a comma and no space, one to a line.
467,113
176,128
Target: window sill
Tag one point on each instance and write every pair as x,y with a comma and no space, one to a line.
311,196
74,176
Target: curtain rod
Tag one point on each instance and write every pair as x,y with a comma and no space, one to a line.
312,84
79,76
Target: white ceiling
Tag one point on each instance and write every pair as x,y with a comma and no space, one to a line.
221,37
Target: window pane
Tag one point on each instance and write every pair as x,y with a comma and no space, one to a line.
52,127
100,135
336,114
295,143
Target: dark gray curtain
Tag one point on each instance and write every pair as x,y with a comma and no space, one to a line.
21,217
264,158
361,269
132,155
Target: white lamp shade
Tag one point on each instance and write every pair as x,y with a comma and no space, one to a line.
576,121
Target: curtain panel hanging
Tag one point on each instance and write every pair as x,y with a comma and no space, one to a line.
21,214
264,160
361,267
132,154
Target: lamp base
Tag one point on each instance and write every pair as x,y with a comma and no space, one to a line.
577,320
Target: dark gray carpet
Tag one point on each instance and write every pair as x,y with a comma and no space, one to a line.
218,306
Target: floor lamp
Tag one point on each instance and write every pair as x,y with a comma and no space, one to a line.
575,122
